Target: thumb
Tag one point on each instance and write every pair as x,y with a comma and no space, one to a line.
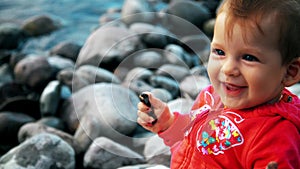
155,102
157,106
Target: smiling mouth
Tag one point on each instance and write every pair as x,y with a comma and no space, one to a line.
231,86
233,89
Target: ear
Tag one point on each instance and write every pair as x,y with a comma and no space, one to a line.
292,73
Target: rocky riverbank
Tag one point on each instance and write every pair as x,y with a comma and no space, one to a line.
75,106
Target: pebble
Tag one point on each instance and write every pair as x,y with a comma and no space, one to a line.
98,110
40,25
34,72
11,122
43,151
176,72
50,98
137,11
75,105
108,44
66,49
106,154
11,35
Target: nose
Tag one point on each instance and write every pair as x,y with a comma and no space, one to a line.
230,67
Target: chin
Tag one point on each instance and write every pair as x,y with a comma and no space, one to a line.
240,107
236,106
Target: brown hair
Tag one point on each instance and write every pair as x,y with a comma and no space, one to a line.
287,15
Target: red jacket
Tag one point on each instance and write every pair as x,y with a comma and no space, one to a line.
215,137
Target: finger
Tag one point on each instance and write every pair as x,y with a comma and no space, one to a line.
145,117
141,121
148,126
155,102
142,107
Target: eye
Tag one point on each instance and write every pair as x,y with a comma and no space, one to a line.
219,52
250,58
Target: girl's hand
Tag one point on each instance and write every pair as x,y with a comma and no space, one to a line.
156,117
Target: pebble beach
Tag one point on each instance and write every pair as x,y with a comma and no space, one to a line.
71,73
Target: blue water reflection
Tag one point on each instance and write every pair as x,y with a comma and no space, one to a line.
78,18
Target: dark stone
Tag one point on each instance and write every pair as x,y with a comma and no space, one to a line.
39,25
10,36
66,49
15,98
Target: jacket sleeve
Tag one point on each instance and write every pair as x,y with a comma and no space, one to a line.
175,132
279,143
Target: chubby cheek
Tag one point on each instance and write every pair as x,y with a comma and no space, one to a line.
213,69
263,87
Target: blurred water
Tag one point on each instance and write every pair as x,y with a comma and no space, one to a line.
79,18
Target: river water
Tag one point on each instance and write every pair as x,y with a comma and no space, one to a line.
78,17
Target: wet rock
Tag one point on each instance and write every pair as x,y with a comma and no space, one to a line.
208,27
176,55
102,109
86,75
212,6
137,11
69,78
138,86
10,124
15,58
6,74
34,72
156,152
94,74
139,138
175,72
59,63
167,83
10,90
5,56
50,98
148,59
199,70
106,154
138,73
39,25
121,72
30,130
11,36
23,105
13,122
53,122
44,151
199,45
66,49
192,85
192,12
108,46
152,35
14,97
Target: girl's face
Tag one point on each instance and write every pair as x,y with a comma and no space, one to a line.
246,72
